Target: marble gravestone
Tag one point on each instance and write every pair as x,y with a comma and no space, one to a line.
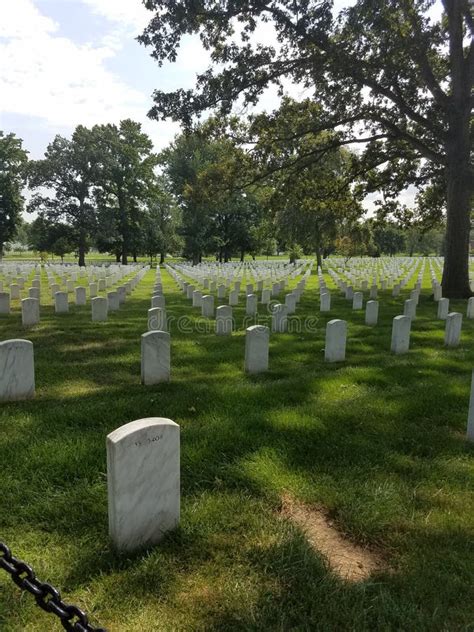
80,295
224,320
113,301
197,299
257,340
443,308
357,300
207,306
17,370
470,308
155,361
233,297
409,308
452,333
401,334
143,482
157,320
290,302
61,304
30,312
99,307
251,305
325,305
336,336
280,318
4,303
158,300
371,312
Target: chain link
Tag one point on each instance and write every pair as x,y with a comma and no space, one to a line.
47,597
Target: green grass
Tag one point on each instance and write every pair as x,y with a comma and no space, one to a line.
377,440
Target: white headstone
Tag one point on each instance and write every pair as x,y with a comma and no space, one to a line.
233,297
224,321
251,305
157,320
113,301
452,333
93,290
257,340
99,307
357,300
266,296
280,318
14,291
290,302
156,357
158,300
207,306
325,305
61,303
143,481
197,299
443,308
4,303
336,335
371,312
30,312
17,370
401,334
470,308
409,308
80,295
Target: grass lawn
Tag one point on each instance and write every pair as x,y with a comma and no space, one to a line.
378,441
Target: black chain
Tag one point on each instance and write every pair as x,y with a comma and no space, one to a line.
47,597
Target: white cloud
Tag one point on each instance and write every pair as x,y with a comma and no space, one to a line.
128,13
51,77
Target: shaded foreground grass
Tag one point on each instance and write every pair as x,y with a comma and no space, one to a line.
378,441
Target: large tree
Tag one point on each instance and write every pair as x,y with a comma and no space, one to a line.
391,73
13,159
125,176
161,221
65,178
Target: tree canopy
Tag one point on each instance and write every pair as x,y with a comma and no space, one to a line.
393,75
13,159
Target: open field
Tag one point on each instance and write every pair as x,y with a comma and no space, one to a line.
377,442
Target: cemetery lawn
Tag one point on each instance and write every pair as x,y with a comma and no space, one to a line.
378,442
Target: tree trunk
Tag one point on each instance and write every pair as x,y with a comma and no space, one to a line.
1,250
458,173
134,257
242,255
162,257
124,257
117,257
456,259
319,259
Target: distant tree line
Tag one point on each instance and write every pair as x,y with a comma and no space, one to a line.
105,189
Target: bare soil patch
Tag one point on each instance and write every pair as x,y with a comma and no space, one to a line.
349,561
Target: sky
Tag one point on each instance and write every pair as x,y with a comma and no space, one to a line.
70,62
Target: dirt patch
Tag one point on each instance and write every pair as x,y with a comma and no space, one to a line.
350,561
